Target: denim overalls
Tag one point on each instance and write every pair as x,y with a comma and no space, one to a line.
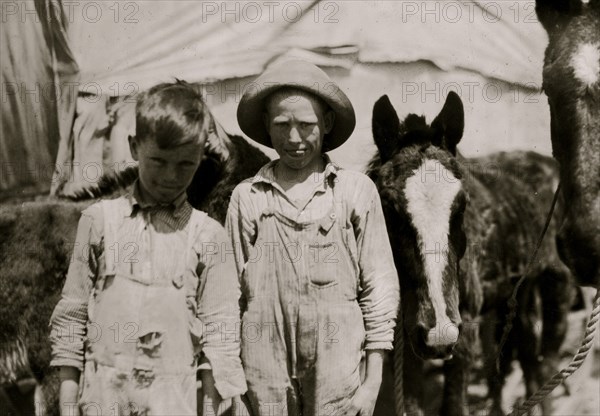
303,330
143,334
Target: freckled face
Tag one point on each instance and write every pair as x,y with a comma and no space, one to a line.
166,173
297,122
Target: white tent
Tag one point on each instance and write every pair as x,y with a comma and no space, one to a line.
489,52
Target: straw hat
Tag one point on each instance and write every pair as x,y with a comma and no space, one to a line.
304,76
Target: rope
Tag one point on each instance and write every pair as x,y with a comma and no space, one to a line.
512,302
398,365
576,362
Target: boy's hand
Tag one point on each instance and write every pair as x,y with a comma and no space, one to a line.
212,404
363,402
69,390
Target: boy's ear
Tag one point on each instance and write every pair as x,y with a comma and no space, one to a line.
133,147
329,121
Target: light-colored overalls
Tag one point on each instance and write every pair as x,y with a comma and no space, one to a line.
303,329
143,334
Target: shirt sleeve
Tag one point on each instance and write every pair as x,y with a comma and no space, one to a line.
218,309
241,230
69,319
379,298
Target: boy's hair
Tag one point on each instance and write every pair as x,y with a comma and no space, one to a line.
172,114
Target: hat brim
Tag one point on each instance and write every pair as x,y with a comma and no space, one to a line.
303,76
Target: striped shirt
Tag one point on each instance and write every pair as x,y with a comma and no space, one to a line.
161,227
379,293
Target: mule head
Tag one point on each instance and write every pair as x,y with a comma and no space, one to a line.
571,80
420,184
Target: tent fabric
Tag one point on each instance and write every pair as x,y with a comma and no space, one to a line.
32,42
211,41
159,40
35,58
369,48
99,142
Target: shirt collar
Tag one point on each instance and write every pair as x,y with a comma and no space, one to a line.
138,201
267,173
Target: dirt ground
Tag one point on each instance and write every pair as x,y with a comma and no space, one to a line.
581,396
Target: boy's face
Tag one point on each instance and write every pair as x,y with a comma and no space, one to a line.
165,173
296,122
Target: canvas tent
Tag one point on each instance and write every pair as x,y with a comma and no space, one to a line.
489,52
35,58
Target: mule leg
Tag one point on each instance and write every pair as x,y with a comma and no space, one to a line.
454,402
413,382
557,294
491,333
528,327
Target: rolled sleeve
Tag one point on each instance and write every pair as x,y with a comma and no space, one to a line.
69,320
240,226
218,309
241,229
379,298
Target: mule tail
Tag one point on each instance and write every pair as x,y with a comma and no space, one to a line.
107,184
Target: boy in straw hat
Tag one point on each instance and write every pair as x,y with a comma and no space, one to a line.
317,274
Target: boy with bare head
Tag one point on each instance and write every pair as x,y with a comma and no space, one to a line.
152,277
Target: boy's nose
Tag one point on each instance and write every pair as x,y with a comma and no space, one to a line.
295,135
170,174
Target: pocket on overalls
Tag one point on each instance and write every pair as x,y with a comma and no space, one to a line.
323,260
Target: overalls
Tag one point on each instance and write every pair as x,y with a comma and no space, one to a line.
143,333
303,329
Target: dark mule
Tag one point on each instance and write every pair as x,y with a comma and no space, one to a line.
572,83
35,248
462,231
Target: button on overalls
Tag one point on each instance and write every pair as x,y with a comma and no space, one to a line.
303,330
143,333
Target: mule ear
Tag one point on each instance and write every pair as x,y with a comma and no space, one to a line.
450,123
386,127
553,14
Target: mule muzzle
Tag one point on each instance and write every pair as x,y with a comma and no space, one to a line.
439,341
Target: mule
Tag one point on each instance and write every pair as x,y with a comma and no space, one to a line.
37,243
571,80
462,231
